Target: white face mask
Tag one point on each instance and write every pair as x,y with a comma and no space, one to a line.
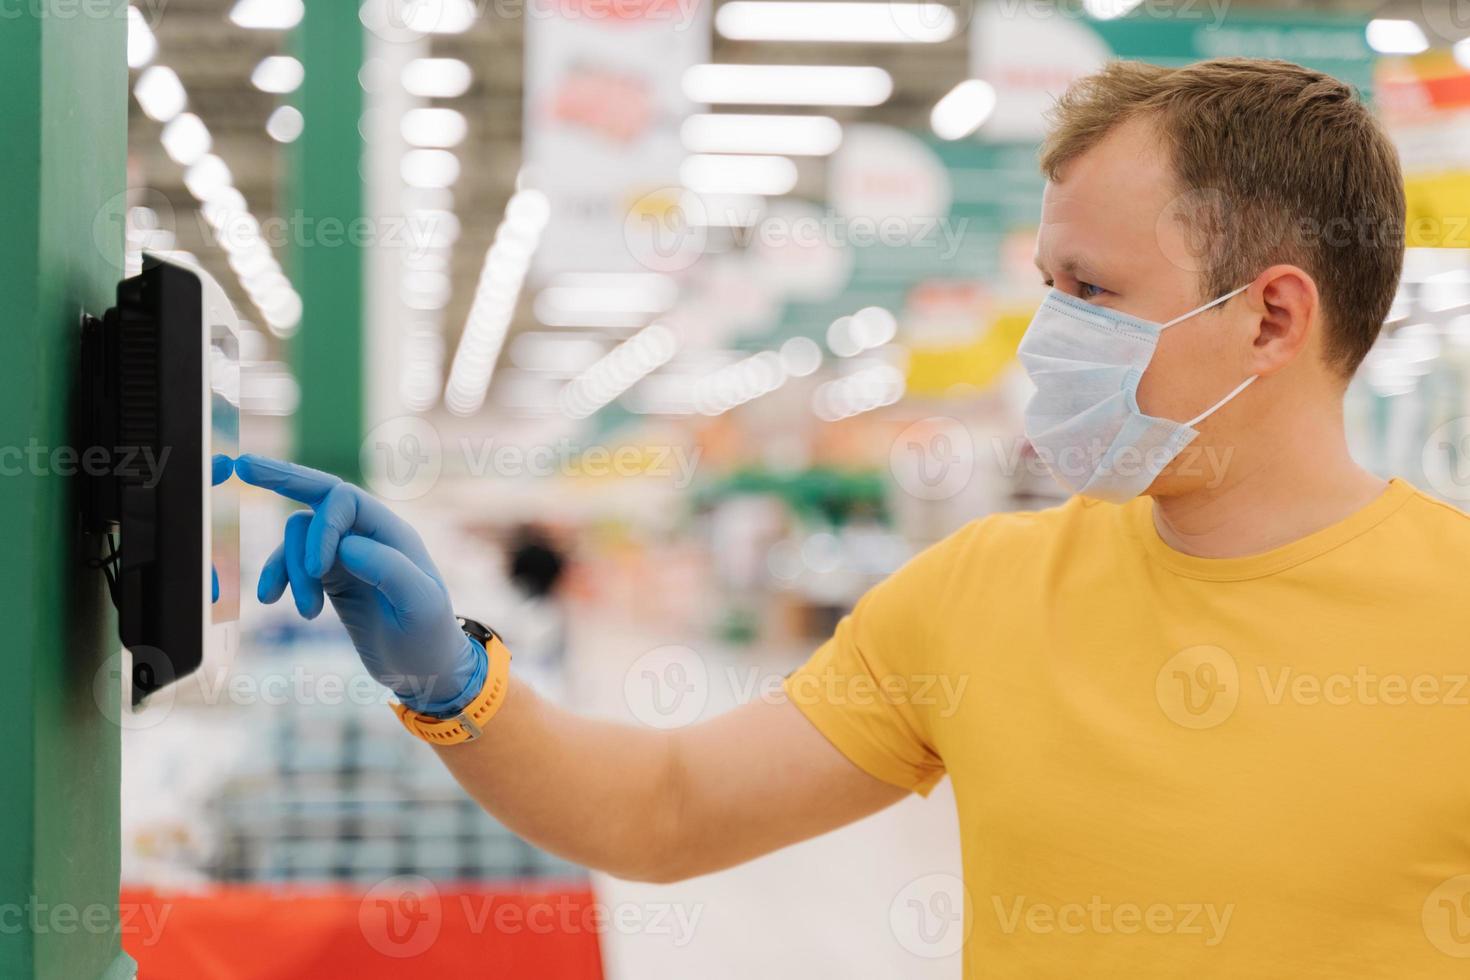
1084,421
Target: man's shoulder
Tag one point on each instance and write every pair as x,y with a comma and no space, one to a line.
1434,521
1008,536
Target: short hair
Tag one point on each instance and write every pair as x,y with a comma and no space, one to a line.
1275,163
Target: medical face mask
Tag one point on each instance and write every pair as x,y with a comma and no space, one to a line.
1084,421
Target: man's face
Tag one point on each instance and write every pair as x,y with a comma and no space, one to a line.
1111,234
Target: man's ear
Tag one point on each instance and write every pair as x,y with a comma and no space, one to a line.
1287,298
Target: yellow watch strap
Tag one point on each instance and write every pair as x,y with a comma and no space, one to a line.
469,723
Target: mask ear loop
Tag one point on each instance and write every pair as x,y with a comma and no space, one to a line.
1200,309
1238,388
1221,403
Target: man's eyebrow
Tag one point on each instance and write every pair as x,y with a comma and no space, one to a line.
1073,266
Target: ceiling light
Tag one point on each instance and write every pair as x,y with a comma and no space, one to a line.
609,293
963,109
430,168
784,135
436,78
433,127
160,93
787,85
621,368
279,74
285,124
186,139
1388,36
1109,9
208,177
142,45
549,353
871,22
441,17
493,306
707,173
267,15
800,356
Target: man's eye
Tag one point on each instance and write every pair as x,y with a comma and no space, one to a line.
1087,290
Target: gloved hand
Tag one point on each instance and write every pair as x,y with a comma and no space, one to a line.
221,467
381,581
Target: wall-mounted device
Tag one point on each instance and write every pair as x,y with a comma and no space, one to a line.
155,406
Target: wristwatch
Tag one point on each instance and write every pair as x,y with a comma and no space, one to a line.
468,724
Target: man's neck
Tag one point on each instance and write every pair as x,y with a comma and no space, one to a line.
1296,488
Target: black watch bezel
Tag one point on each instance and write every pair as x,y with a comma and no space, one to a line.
476,630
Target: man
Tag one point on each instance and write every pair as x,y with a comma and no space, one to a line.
1210,731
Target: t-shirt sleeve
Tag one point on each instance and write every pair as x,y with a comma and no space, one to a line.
872,688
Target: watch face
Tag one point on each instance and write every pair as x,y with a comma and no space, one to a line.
476,629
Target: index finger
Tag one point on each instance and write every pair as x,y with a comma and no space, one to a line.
300,483
220,467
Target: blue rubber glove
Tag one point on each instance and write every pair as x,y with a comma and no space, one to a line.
221,466
375,569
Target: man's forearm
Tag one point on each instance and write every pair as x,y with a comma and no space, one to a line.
598,793
659,806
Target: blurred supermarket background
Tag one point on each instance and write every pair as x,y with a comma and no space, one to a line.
673,326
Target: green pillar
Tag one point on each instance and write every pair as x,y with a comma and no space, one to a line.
63,110
326,198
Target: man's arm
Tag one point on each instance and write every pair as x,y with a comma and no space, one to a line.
662,805
639,803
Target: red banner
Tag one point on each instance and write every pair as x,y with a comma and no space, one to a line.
403,928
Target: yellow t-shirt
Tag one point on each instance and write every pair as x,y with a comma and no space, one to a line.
1177,767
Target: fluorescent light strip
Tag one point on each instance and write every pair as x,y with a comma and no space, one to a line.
623,367
803,136
437,78
871,23
142,45
185,137
278,74
435,128
861,391
963,109
285,124
707,173
1389,36
160,94
1109,9
493,308
638,293
787,85
267,15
